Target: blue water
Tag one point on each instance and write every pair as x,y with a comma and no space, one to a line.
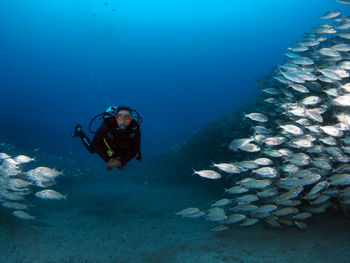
180,64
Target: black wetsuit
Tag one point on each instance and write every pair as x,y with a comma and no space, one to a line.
110,141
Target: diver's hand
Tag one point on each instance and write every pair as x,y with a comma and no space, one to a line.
114,163
78,129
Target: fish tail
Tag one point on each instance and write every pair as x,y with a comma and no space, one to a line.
340,85
329,97
328,184
285,159
194,171
253,136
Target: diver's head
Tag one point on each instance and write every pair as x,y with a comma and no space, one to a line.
123,117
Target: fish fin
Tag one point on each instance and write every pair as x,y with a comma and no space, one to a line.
65,197
285,159
254,134
194,171
234,161
328,185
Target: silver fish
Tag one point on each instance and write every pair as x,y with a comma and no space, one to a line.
286,211
302,216
267,161
301,225
218,228
227,167
267,172
252,183
293,129
222,202
309,179
299,88
305,61
292,76
188,211
249,222
14,205
268,193
332,131
210,174
23,215
342,100
329,52
312,100
340,179
237,190
234,218
256,117
23,159
291,194
278,140
330,14
345,2
247,199
50,194
250,147
237,143
267,208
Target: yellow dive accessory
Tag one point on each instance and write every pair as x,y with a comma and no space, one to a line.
109,151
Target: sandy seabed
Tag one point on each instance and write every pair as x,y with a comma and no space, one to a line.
121,221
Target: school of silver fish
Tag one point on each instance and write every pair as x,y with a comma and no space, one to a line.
299,162
16,184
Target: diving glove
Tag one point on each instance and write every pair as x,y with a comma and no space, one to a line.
77,130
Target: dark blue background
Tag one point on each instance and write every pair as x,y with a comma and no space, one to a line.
180,63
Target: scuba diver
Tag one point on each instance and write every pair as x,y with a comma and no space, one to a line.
117,140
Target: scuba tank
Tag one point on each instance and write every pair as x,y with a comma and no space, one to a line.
112,112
